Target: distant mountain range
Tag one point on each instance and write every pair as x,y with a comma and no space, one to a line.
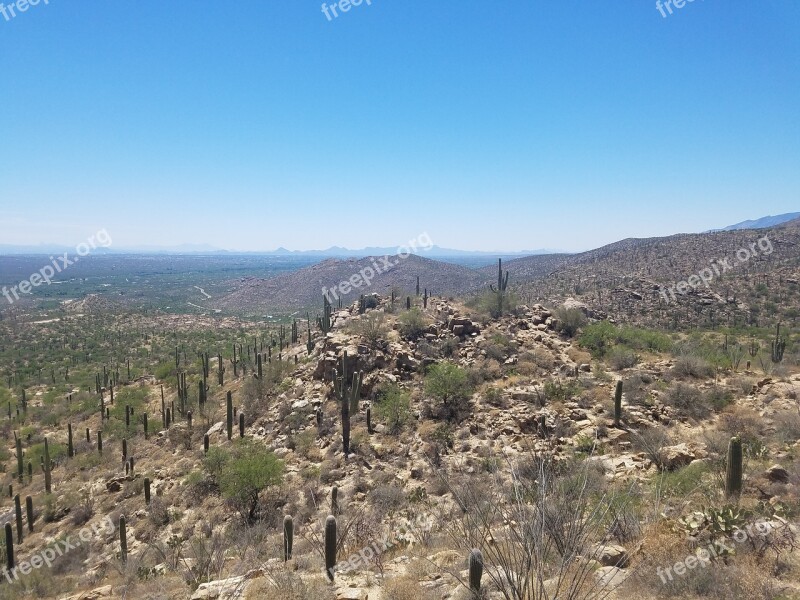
761,223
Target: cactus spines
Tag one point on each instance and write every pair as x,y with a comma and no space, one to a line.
229,405
147,490
123,540
475,570
18,514
29,512
330,545
502,286
205,444
618,403
241,424
9,548
47,478
733,475
288,537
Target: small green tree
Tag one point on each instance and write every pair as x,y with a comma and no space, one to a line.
393,407
449,384
243,472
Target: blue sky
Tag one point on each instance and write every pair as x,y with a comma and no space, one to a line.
507,125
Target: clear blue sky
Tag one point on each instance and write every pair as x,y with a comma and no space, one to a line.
510,125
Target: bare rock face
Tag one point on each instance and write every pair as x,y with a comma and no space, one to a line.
461,326
611,555
675,457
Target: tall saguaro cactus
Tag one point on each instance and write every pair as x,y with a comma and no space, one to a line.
288,537
9,547
123,540
46,467
502,286
348,395
229,412
618,403
20,467
733,476
330,545
325,322
778,345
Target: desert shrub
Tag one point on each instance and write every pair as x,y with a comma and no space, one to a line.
651,442
690,365
372,327
559,390
387,498
621,357
598,337
570,320
406,587
499,347
242,472
393,408
449,346
449,384
486,303
412,324
687,400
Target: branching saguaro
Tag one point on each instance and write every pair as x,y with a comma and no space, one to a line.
537,527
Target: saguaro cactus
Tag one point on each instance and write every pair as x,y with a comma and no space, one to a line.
205,443
335,501
99,442
733,476
618,403
19,456
70,447
9,547
288,537
46,467
325,322
330,545
147,490
502,286
475,570
29,512
220,370
18,514
229,404
123,540
241,424
778,345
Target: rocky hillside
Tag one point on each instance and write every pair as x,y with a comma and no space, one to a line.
462,430
302,289
752,277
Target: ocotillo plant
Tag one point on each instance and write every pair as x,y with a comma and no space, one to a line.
778,345
47,480
733,476
330,545
618,403
475,571
502,286
288,537
123,540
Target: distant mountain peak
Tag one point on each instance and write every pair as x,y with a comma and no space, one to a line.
763,222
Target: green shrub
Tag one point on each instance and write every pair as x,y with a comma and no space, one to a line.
449,384
393,408
570,320
412,324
